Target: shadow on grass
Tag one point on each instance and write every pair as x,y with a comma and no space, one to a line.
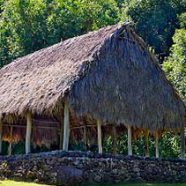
141,184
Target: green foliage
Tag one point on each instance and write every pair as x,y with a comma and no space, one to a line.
182,19
22,28
78,146
29,25
71,18
169,145
156,21
2,3
122,144
107,145
175,64
4,147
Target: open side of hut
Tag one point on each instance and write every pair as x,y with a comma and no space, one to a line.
103,77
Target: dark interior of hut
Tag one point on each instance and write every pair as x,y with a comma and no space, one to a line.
48,131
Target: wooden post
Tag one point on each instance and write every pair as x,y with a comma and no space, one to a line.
66,131
182,135
147,143
28,133
100,150
85,136
114,139
156,144
61,136
1,135
10,142
129,140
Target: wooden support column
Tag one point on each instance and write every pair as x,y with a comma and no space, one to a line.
10,142
61,135
182,135
129,140
66,131
100,149
114,139
85,136
28,133
147,143
157,144
1,135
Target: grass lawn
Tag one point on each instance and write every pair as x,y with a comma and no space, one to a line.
148,184
15,183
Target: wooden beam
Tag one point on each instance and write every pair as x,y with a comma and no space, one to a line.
182,135
35,127
147,143
114,139
10,142
100,149
28,133
129,140
66,131
45,121
157,144
80,127
1,135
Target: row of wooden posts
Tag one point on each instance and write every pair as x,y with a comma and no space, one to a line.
64,137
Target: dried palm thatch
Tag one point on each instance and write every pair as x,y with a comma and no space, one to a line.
108,74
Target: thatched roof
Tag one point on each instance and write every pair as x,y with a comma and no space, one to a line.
107,74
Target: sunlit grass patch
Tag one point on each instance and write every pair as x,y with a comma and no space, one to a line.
17,183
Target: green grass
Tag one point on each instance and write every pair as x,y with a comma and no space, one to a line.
142,184
16,183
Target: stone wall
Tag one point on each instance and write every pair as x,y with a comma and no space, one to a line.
69,168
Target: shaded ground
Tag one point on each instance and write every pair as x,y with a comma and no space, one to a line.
148,184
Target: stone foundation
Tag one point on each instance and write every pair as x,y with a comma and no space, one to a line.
71,168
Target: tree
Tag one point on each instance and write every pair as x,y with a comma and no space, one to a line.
156,21
71,18
29,25
1,5
22,28
182,19
175,64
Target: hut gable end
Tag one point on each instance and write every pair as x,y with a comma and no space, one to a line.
126,86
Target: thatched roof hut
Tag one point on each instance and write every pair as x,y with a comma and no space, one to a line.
107,75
